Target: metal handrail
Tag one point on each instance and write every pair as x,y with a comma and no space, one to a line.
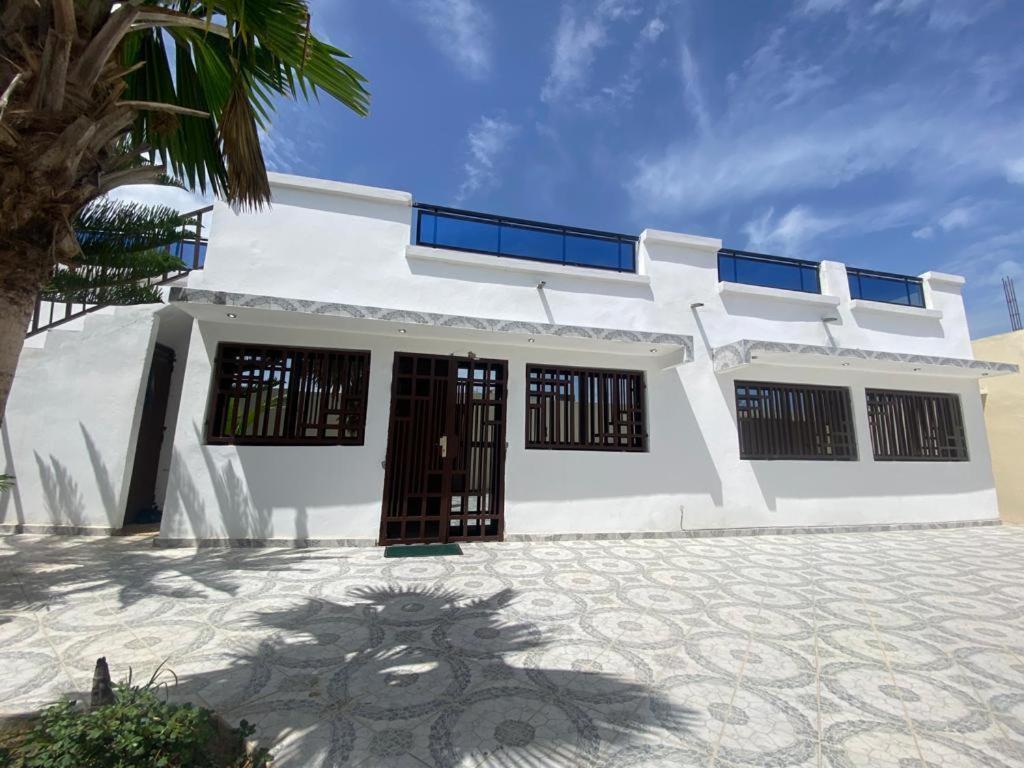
525,224
65,310
800,265
768,258
855,273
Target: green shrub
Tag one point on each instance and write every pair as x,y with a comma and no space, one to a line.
139,730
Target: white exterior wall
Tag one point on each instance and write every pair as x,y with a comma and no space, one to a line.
72,422
691,476
331,246
345,244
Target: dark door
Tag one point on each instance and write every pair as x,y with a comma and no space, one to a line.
444,477
141,507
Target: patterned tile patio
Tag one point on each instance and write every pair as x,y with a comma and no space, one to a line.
881,649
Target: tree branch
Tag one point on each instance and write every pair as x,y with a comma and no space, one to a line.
148,174
7,93
150,16
104,44
157,106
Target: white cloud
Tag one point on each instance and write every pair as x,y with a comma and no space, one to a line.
692,89
461,30
653,29
958,218
173,197
577,40
788,233
793,232
488,140
1015,171
771,79
812,7
756,153
984,263
962,215
943,15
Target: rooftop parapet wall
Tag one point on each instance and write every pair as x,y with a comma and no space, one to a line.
349,244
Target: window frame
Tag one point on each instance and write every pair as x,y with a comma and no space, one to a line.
249,440
960,441
644,437
846,410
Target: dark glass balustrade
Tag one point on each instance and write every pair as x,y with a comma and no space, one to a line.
768,271
885,287
520,239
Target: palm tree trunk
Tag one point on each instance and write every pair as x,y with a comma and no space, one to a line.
20,281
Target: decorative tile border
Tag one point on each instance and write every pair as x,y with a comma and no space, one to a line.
7,529
168,543
694,533
740,353
409,317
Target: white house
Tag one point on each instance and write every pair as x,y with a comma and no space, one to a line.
351,365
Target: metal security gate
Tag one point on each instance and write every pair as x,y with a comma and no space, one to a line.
444,475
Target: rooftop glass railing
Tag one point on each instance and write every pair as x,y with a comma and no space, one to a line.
885,287
459,230
768,271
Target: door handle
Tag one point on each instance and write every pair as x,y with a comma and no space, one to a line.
443,442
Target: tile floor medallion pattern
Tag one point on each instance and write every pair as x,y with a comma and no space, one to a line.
870,649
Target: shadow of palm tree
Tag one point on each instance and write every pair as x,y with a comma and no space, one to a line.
407,675
53,569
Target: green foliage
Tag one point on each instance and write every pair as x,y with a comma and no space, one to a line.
6,483
139,730
123,245
234,60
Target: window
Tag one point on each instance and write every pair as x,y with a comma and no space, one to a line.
585,409
288,396
794,421
916,426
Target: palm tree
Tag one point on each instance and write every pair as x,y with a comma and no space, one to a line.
97,94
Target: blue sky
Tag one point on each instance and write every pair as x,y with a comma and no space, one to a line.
887,134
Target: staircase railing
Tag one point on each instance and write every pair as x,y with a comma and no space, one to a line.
190,249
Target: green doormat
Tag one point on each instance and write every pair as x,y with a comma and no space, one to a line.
422,550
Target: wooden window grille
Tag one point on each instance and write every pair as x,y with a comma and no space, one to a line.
585,409
266,395
794,421
916,426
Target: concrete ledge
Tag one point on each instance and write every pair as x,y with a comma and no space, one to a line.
709,533
169,543
943,277
56,530
679,239
863,305
760,292
374,194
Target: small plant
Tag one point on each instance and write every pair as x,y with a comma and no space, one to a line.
140,729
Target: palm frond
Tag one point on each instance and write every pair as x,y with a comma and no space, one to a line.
248,185
112,229
113,279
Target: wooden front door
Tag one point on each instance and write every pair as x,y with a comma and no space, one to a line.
444,476
141,506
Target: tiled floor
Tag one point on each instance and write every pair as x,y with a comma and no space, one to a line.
881,649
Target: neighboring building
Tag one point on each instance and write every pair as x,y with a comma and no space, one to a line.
350,365
1003,401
